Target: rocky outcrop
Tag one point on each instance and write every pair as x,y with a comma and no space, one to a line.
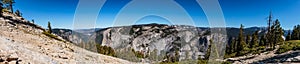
157,41
71,36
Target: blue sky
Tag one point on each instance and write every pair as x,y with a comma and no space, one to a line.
236,12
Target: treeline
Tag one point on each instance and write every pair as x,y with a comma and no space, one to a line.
295,35
253,43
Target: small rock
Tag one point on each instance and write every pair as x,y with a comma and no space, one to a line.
12,59
63,57
2,60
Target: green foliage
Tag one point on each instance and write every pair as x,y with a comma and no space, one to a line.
254,40
173,58
242,46
9,4
262,41
5,10
289,36
201,61
49,33
1,8
233,45
154,56
106,50
32,21
230,55
18,13
49,27
52,36
296,33
129,55
289,45
138,54
277,33
248,39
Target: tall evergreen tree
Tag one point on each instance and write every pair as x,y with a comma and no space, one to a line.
242,46
32,21
262,41
276,34
232,46
248,40
296,33
288,37
1,7
18,13
49,27
254,40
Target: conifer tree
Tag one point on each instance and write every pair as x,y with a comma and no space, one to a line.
276,34
262,40
18,13
254,40
32,21
288,37
49,27
296,33
242,46
9,4
1,7
248,40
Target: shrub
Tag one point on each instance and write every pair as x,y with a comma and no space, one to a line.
138,54
18,13
289,45
106,50
52,36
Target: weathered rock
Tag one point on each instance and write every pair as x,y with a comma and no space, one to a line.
190,42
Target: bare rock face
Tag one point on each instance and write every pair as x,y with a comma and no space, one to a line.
155,42
71,36
22,42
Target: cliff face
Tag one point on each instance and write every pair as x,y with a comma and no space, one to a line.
156,41
71,36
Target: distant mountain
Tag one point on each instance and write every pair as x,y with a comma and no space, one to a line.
162,39
72,36
88,32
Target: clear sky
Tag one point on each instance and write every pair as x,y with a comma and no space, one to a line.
248,12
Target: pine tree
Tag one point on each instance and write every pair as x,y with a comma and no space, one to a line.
254,40
231,46
248,40
18,13
9,4
288,37
298,30
296,33
262,41
268,35
242,46
32,21
276,34
1,7
49,27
